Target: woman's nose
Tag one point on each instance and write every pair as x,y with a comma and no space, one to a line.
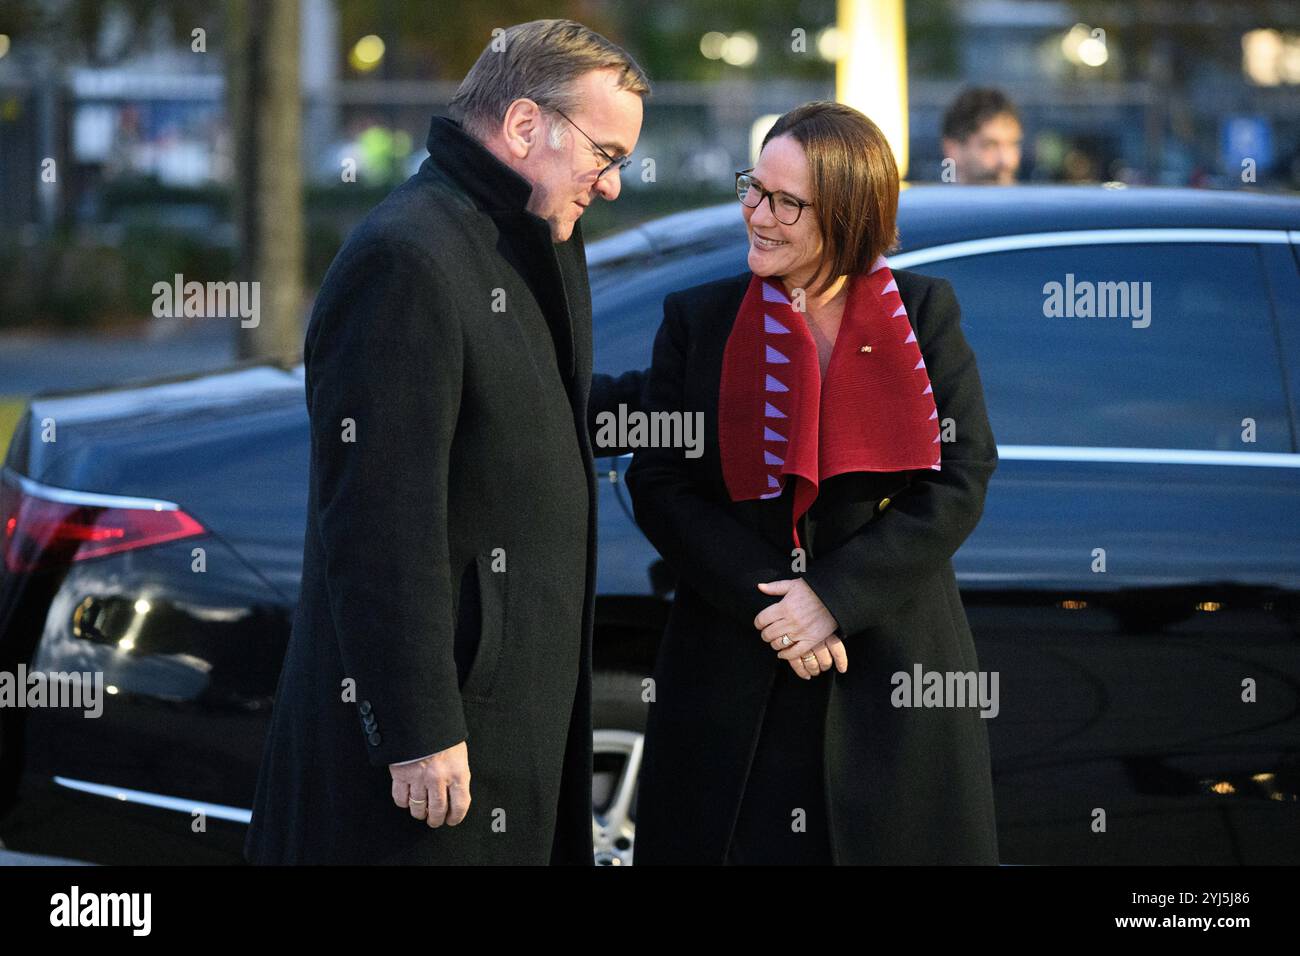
762,214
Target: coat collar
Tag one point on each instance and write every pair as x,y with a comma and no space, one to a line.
556,273
490,183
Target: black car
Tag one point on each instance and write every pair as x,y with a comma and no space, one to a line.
1134,581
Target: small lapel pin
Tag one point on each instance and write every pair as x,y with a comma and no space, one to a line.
865,348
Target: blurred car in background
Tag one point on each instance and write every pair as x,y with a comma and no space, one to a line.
1135,579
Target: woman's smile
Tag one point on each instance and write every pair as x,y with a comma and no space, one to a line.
763,243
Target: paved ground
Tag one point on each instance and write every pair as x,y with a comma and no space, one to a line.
32,363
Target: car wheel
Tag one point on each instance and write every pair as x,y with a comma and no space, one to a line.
618,716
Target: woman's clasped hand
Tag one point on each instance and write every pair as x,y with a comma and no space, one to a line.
800,629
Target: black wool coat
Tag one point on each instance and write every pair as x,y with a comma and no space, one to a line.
449,561
902,785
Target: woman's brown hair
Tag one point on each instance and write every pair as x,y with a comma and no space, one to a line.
854,183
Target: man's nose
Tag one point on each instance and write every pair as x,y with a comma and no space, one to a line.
609,185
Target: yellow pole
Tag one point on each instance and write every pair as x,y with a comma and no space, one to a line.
11,409
871,73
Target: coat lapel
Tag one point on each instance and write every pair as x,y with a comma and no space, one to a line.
526,243
716,332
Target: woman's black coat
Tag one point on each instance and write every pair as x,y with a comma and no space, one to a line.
903,785
449,561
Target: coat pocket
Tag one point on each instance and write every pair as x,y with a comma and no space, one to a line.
480,629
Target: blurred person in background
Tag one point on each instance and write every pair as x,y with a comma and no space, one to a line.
982,136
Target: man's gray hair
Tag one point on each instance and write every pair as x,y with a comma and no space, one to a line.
538,60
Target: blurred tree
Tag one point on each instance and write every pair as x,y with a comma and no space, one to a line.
667,38
933,32
265,109
104,32
442,40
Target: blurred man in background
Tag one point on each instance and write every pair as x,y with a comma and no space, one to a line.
982,136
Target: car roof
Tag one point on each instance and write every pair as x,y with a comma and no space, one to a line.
938,213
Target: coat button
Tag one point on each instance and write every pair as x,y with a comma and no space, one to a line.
884,503
364,707
374,738
369,724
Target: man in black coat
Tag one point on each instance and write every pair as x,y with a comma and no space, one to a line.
449,568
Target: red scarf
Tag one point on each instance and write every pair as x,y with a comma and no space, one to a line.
877,406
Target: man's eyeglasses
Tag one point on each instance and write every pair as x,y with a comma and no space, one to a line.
621,162
785,208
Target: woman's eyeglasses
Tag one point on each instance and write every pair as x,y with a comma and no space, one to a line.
786,209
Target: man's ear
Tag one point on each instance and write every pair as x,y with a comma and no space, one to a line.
521,129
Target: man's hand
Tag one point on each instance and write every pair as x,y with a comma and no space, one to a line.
436,789
801,616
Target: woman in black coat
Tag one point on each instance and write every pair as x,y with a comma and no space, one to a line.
847,455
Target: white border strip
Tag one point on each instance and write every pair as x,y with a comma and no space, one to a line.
215,810
1084,237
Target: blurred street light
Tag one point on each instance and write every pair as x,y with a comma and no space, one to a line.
737,49
711,44
740,49
1084,46
830,44
1270,58
366,53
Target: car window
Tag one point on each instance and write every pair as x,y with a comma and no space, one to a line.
627,298
1183,375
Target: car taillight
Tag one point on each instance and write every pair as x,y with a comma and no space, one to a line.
47,527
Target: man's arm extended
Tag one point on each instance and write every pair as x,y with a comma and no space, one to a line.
383,384
607,394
